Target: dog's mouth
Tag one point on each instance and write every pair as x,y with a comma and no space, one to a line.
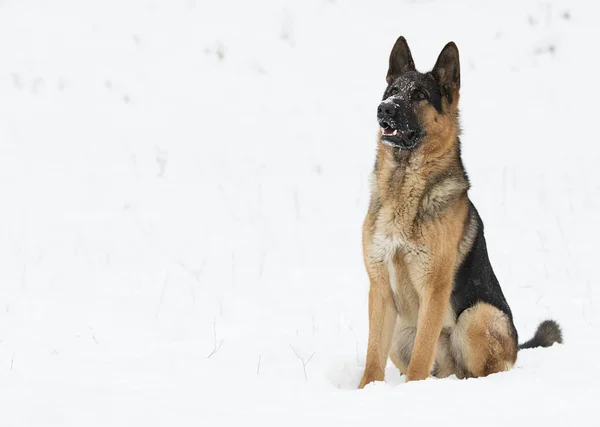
398,138
387,131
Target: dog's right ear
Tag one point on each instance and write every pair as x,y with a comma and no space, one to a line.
400,60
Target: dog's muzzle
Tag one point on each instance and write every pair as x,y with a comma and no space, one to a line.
395,131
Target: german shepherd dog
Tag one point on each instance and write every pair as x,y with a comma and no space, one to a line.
435,305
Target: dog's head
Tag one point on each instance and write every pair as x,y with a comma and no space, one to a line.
419,105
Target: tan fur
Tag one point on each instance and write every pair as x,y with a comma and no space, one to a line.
382,316
418,230
482,341
420,253
415,235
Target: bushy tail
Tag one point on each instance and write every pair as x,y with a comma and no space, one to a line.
548,332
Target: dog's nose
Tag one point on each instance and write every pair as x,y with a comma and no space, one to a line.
386,110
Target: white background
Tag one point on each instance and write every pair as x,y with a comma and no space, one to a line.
182,189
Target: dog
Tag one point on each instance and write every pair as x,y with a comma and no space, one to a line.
435,305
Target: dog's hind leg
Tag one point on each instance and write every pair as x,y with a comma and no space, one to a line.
444,364
483,342
402,346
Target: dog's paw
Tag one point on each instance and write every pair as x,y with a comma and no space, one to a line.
368,379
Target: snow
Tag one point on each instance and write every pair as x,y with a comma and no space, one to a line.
183,186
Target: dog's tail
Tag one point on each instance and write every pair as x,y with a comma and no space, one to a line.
547,333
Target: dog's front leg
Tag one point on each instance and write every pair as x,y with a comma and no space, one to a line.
382,318
434,301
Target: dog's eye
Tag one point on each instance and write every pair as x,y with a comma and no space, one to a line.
419,95
394,91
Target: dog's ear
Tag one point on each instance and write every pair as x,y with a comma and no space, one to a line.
400,60
447,69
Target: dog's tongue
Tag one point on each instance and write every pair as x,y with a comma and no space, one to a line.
388,131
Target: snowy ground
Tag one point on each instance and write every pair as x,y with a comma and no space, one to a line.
183,186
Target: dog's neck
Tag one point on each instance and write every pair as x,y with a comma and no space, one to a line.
421,180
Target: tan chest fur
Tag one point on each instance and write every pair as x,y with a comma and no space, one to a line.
407,264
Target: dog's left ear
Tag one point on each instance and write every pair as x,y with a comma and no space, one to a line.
447,68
